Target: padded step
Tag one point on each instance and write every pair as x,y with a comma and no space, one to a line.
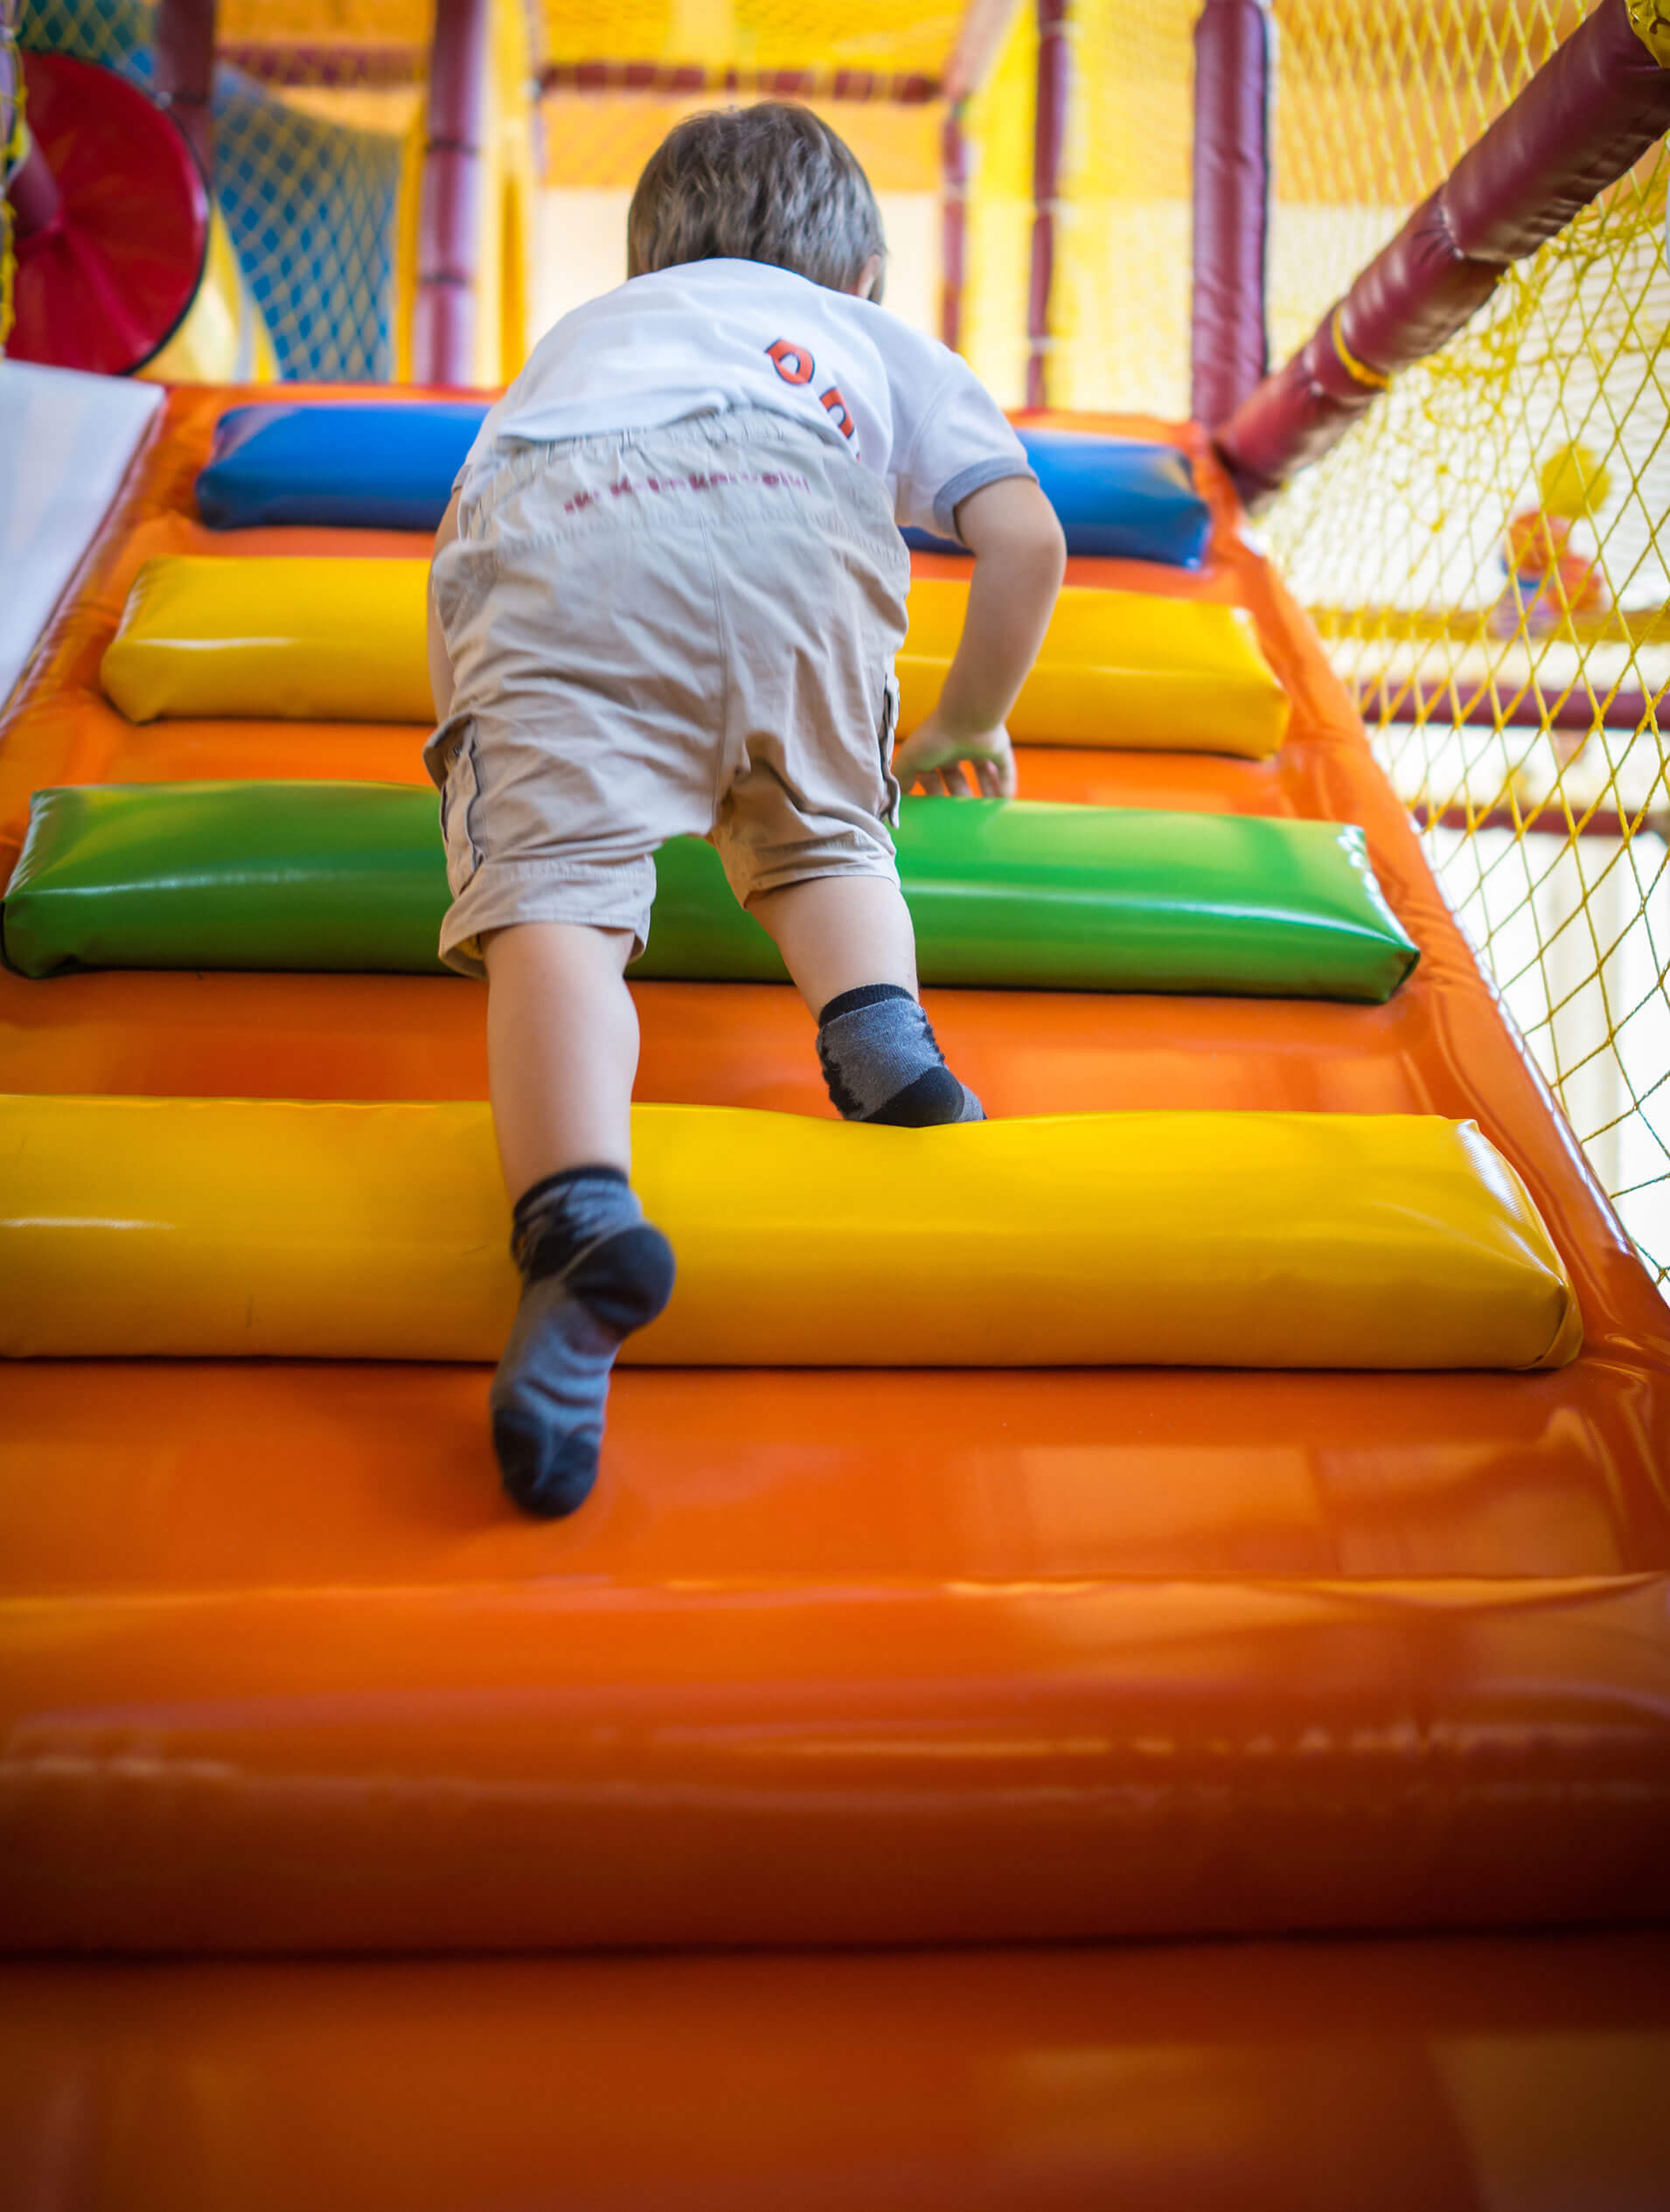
340,640
234,1228
313,640
1123,670
351,876
564,1760
371,465
355,464
1451,2074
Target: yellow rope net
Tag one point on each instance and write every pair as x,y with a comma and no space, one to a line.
997,130
755,34
598,138
1120,300
1488,556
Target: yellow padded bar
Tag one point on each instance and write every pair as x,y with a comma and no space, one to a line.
1126,669
281,640
228,1226
329,640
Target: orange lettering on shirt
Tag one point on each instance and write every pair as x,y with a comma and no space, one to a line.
838,412
794,364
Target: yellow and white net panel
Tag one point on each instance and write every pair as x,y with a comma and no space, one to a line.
1120,298
1485,555
596,143
598,133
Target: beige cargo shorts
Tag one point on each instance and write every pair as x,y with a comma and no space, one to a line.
685,631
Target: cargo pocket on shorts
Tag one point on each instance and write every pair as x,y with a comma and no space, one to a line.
889,732
459,793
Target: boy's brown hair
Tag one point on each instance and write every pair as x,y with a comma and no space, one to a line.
771,183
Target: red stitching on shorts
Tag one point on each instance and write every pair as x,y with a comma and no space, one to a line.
773,479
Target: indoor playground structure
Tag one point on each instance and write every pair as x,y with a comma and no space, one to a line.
1119,1655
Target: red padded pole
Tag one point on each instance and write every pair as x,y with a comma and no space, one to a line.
1471,703
444,309
1598,103
183,56
953,224
907,88
1232,83
1048,129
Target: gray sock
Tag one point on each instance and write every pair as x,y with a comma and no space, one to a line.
881,1063
593,1270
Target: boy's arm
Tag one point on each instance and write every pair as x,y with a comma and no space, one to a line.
439,666
1019,558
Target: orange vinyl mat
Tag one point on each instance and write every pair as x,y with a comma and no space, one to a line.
861,1659
1475,2075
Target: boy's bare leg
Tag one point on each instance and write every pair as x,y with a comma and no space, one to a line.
562,1039
848,942
838,932
563,1049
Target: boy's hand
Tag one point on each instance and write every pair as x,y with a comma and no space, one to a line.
934,753
1019,555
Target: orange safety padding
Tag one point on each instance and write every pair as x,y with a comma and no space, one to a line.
1248,2077
362,1547
472,1765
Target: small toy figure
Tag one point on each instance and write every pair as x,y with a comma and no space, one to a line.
1549,578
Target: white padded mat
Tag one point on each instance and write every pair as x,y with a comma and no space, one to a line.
66,441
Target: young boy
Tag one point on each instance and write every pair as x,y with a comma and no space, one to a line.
666,600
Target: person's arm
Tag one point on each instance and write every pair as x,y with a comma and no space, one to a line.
439,666
1019,558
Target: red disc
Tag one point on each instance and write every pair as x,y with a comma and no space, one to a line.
107,281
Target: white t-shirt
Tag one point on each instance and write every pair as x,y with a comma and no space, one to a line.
711,335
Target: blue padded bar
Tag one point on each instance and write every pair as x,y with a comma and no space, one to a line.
1120,497
380,465
365,465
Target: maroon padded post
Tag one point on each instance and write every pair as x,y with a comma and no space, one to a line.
1233,84
1597,104
909,89
1474,703
445,306
953,225
183,60
1048,131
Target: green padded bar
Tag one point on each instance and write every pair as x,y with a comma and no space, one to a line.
297,876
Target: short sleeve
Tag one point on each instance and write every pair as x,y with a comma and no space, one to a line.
963,442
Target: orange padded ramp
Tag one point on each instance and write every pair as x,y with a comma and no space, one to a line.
1055,1652
1250,2078
496,1765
